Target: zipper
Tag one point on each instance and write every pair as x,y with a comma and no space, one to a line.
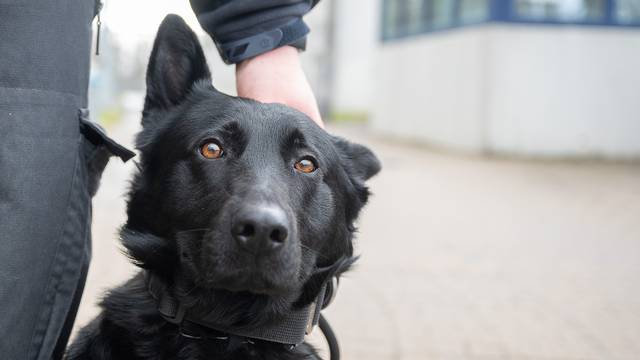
98,25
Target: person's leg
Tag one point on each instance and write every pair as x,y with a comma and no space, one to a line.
44,196
63,339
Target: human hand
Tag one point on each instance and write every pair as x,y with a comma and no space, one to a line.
277,77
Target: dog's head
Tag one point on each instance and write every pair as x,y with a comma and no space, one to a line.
233,195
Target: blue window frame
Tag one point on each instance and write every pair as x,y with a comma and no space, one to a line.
403,18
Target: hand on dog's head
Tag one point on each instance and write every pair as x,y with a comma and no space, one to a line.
235,198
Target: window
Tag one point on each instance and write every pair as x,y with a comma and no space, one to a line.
560,10
407,17
473,11
390,23
404,17
414,14
627,11
437,14
400,18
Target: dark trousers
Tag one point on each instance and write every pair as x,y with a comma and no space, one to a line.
49,168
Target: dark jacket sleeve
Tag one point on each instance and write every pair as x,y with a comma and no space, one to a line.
243,29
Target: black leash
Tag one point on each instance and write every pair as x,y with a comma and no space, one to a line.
330,336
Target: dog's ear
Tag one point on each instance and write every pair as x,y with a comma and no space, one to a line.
176,63
359,161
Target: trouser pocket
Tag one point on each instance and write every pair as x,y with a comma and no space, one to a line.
97,148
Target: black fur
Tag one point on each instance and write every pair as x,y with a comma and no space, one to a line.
181,204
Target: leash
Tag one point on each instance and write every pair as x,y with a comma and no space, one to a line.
289,331
330,336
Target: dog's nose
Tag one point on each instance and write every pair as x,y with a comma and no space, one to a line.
260,229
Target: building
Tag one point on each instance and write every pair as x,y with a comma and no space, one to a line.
540,78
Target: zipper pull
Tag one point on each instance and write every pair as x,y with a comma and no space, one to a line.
98,26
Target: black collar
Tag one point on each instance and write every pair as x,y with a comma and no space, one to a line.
289,331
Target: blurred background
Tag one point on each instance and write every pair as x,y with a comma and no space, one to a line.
506,221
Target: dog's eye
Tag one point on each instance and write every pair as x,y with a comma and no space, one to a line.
305,165
211,150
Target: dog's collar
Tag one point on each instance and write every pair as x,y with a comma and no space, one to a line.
290,330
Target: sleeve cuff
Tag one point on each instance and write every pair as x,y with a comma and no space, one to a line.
293,33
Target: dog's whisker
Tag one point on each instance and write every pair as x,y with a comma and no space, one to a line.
193,230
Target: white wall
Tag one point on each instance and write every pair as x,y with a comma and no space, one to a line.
318,53
543,91
355,37
564,91
431,88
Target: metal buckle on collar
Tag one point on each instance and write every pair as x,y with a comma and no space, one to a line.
194,331
326,296
311,323
187,335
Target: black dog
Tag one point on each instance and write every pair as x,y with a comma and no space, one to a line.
240,214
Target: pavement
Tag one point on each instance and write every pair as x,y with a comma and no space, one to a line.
464,257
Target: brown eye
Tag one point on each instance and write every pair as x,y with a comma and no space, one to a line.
211,150
305,165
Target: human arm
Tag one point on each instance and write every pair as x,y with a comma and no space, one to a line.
263,38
